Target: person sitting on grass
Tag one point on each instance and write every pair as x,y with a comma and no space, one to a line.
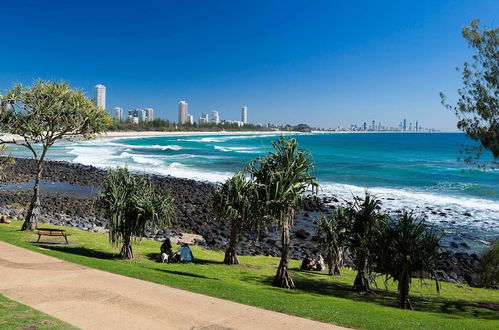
185,253
167,254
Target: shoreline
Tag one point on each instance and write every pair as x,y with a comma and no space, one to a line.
193,213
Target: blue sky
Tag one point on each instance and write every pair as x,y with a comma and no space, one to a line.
326,63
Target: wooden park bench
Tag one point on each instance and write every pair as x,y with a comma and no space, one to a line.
53,232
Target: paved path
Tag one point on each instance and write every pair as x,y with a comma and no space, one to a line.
93,299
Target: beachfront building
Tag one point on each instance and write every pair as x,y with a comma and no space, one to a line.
190,119
244,115
140,114
203,119
182,112
149,114
215,118
118,113
100,96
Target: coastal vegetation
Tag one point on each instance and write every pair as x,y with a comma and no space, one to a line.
365,219
317,296
41,115
132,207
489,276
331,231
236,200
478,105
283,176
401,248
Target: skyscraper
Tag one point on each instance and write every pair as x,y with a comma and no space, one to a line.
118,113
190,119
417,126
404,125
215,117
100,96
182,112
149,114
203,119
244,115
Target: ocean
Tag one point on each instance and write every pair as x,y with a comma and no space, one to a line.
407,171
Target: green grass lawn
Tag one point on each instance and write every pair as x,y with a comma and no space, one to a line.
318,296
14,315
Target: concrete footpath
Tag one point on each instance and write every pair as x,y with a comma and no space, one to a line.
94,299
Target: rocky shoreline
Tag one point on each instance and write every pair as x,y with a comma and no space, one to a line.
193,214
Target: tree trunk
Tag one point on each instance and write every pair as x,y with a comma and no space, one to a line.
334,263
33,214
404,301
282,278
126,250
361,284
230,253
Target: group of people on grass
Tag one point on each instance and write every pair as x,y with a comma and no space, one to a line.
183,254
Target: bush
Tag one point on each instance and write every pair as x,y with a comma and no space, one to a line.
489,275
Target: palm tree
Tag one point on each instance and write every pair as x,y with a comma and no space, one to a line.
365,217
132,208
235,201
283,176
331,235
402,247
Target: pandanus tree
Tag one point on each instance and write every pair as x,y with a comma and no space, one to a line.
132,207
331,235
235,201
489,262
283,176
40,116
365,217
403,247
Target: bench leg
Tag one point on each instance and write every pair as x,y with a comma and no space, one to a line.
39,238
66,238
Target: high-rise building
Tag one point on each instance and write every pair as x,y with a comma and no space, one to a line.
417,126
182,112
100,96
190,119
244,115
203,119
118,113
404,125
149,114
364,126
374,126
140,114
215,118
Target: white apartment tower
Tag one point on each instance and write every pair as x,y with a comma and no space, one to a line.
182,112
215,118
118,113
149,114
100,96
244,115
190,119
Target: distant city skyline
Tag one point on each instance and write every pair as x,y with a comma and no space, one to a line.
323,63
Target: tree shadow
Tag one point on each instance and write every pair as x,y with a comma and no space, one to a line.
156,258
82,251
325,287
179,273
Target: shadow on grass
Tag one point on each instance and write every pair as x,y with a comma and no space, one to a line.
155,257
176,272
82,251
325,287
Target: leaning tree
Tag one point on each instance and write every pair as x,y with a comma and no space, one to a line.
404,247
331,233
236,201
39,116
132,207
283,176
365,217
477,107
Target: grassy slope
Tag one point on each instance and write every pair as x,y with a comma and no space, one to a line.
318,296
14,315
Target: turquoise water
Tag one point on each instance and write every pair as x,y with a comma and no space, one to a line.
417,171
